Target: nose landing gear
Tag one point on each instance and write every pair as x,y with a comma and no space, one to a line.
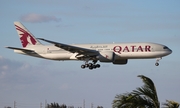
157,61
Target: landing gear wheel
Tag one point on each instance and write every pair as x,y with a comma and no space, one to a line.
87,65
90,64
83,66
94,66
90,67
98,65
157,64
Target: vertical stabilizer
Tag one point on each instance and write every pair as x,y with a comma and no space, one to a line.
26,37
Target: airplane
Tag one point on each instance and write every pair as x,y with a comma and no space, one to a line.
116,53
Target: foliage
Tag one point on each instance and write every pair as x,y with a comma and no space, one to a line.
142,97
170,104
56,105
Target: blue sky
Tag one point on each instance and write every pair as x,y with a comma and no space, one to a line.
30,81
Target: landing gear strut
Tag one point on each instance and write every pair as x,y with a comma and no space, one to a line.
157,61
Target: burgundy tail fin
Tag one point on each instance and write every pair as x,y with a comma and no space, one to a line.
26,37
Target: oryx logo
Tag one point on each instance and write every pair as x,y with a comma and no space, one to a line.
25,37
107,56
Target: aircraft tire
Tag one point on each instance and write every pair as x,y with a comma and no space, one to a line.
90,64
90,67
157,64
98,66
83,66
86,65
94,66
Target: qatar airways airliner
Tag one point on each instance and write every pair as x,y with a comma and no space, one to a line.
116,53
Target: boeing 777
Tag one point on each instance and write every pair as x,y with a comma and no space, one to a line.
116,53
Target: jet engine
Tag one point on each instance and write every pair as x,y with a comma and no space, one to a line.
109,56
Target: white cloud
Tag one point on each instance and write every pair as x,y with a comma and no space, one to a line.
4,67
12,72
38,18
24,67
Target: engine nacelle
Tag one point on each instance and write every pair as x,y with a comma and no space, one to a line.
106,56
120,61
109,56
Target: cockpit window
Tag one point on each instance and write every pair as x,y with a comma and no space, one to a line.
165,47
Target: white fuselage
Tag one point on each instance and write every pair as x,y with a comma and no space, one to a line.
116,53
121,50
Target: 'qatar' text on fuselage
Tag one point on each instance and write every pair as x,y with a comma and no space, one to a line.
132,48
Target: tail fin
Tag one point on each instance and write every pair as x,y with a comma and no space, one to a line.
26,37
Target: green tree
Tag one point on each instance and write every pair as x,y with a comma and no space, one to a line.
170,104
142,97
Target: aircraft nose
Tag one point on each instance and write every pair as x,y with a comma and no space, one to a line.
170,51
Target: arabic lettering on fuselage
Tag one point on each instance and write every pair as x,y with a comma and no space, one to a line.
94,47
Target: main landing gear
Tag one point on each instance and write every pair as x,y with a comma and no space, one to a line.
157,61
90,65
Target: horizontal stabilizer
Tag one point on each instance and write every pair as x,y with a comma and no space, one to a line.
21,49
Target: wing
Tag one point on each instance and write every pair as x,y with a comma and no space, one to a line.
73,49
21,49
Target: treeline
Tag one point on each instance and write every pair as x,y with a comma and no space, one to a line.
56,105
